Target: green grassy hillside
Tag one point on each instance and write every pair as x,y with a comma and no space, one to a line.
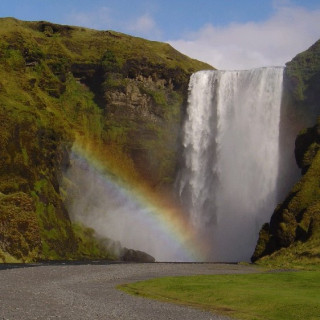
60,84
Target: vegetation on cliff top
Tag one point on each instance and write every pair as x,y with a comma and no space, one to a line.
59,84
303,74
302,80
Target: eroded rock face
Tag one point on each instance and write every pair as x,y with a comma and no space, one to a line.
142,105
132,104
306,147
31,205
19,226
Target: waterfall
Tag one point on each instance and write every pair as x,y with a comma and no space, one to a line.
228,179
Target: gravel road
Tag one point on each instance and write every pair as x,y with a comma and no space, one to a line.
87,291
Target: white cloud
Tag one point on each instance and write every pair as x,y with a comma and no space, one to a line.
254,44
99,18
144,26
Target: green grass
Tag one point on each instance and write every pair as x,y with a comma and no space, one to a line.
115,47
269,296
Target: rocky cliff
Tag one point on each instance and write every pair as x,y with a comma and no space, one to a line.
293,234
61,84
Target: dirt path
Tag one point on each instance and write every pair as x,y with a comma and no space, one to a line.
88,291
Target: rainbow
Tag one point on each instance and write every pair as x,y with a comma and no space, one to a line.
169,224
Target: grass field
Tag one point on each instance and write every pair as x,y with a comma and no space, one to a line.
269,296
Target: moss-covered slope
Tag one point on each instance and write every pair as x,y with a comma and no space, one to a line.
293,235
58,84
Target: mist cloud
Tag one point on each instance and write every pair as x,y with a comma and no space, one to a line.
254,44
113,212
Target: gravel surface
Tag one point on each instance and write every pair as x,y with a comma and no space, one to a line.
87,291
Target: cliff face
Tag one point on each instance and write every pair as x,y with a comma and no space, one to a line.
61,84
293,235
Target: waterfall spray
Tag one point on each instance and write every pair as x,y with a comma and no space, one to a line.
231,155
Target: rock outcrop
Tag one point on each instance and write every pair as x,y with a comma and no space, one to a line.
130,255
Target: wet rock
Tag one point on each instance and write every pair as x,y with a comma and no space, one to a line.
131,255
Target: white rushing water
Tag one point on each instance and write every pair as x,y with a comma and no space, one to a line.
231,156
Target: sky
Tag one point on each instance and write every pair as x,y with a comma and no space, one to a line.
228,34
